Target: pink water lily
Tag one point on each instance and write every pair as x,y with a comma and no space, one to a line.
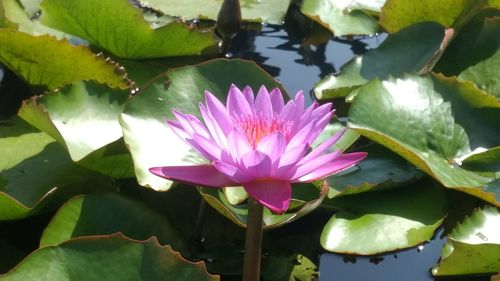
259,143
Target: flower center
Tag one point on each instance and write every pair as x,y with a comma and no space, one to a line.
255,127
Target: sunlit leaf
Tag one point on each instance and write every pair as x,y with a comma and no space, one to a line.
271,11
473,246
340,18
46,61
107,258
108,213
371,223
83,117
434,123
36,173
150,140
119,27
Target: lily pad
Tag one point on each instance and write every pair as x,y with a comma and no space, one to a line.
108,213
107,258
340,18
473,246
150,140
36,173
382,169
271,11
484,75
47,62
305,198
488,161
119,27
397,56
83,117
384,221
434,123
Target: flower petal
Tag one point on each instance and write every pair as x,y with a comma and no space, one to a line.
238,144
272,145
237,104
248,93
263,107
206,175
219,112
275,195
257,164
209,147
277,100
314,164
323,147
341,163
213,126
233,172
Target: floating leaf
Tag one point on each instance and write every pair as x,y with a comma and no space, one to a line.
73,115
473,246
340,18
108,213
488,160
35,172
150,140
376,222
48,62
118,27
271,11
434,123
107,258
382,169
484,74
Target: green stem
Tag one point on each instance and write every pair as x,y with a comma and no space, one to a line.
253,241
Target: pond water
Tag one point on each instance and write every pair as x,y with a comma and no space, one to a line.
300,68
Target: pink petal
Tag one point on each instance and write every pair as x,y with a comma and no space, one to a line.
205,175
301,137
272,145
219,112
209,147
277,100
314,164
237,103
177,128
248,93
293,154
263,106
341,163
233,172
323,147
257,164
213,126
238,144
299,102
275,195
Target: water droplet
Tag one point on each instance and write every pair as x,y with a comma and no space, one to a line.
209,260
100,54
119,69
160,99
420,248
45,161
228,55
36,15
296,261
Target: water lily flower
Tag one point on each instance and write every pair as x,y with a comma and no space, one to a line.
259,143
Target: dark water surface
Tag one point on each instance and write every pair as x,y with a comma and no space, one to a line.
300,68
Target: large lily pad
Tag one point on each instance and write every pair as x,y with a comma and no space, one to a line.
386,220
108,213
473,246
36,173
107,258
148,137
48,62
434,123
398,55
83,117
484,75
340,18
119,27
271,11
382,169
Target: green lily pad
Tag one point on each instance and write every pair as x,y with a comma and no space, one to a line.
83,117
398,14
108,213
473,246
340,18
119,27
47,62
484,75
434,123
382,169
488,160
384,221
36,173
294,267
107,258
149,139
305,198
271,11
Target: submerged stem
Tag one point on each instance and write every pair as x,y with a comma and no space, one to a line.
253,241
